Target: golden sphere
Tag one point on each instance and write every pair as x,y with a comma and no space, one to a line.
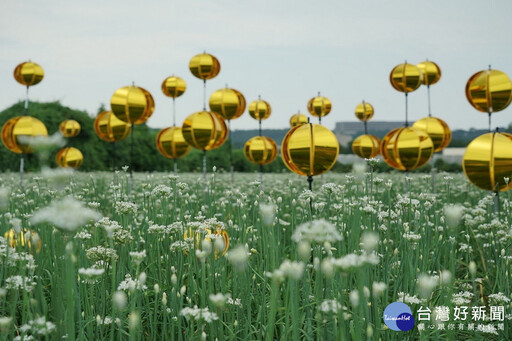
132,104
488,160
437,129
109,128
228,103
366,146
171,143
197,237
406,77
319,106
204,66
14,239
364,111
406,148
309,149
431,73
260,150
204,130
260,110
489,91
69,157
69,128
18,131
173,86
298,119
28,73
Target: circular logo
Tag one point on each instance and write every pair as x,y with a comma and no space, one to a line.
398,316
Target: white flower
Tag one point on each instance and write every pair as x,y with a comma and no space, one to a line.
219,299
57,176
198,314
41,143
18,282
238,257
131,284
329,306
406,298
352,260
359,168
137,257
369,241
119,299
499,298
66,214
453,214
354,298
5,321
287,269
378,288
4,197
426,284
91,273
319,231
267,213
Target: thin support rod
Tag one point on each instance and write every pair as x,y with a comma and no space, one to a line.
406,111
231,167
407,182
204,166
320,120
490,121
428,96
26,102
310,182
173,112
204,95
365,128
497,203
114,158
175,165
22,166
259,129
131,158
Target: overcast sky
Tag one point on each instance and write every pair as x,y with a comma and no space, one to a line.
285,51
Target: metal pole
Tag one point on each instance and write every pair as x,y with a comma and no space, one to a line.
131,158
26,102
204,165
428,96
231,167
22,164
175,164
490,121
204,95
406,111
497,203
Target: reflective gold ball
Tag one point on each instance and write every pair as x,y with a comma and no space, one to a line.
69,157
204,130
406,77
173,86
366,146
406,148
28,73
17,133
14,239
489,91
69,128
132,104
171,143
319,106
298,119
228,103
109,128
437,129
260,110
364,111
309,149
430,71
204,66
197,237
260,150
488,160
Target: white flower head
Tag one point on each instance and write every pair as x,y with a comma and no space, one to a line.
238,257
453,214
319,231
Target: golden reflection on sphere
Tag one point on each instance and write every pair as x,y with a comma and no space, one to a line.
15,239
437,129
406,148
204,66
298,119
488,160
228,103
69,157
18,131
171,143
204,130
28,73
69,128
319,106
405,77
366,146
260,150
173,86
364,111
489,91
260,109
309,149
197,237
132,104
431,73
109,128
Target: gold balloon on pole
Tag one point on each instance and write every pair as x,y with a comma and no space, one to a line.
174,86
364,111
489,91
110,128
430,71
69,157
18,132
488,161
171,143
406,77
437,129
298,119
204,66
406,148
197,238
132,104
204,130
309,149
260,150
28,73
69,128
366,146
319,106
228,103
260,109
15,239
